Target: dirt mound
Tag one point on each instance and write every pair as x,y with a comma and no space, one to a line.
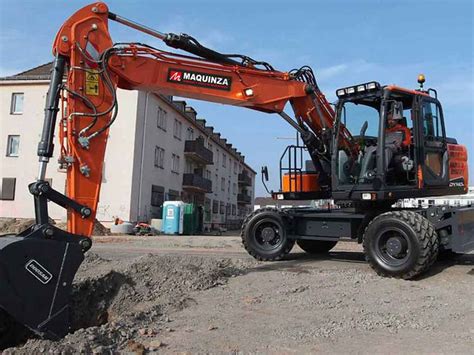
118,305
99,228
17,225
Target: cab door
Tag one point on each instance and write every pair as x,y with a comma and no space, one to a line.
433,155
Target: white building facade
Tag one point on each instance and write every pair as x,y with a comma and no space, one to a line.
157,150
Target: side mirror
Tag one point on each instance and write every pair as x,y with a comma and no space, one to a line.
364,129
265,173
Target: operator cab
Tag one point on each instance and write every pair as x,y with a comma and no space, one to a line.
401,140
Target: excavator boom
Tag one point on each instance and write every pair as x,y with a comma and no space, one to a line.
97,68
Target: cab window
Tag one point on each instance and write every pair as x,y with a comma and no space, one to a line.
432,127
354,116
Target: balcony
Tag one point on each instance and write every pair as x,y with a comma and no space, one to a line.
243,199
197,183
197,151
244,180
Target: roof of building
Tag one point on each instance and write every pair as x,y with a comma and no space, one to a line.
41,72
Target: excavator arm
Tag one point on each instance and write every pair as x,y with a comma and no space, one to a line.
87,70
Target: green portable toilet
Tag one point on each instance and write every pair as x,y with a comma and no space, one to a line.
190,219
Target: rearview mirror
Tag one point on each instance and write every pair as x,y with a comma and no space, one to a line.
265,172
364,128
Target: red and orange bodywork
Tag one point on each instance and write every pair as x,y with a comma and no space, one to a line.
458,168
300,182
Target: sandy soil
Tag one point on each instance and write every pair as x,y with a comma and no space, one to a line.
204,294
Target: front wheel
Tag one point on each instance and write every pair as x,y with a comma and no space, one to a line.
400,244
264,235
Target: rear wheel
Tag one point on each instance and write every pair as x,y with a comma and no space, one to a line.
400,244
316,246
264,235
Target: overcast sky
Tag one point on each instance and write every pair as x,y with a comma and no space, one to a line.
346,42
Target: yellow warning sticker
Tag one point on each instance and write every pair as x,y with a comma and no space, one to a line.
92,83
92,88
92,77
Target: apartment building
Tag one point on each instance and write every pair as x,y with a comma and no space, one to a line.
158,150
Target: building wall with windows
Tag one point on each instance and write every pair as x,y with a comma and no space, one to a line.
157,150
168,126
159,162
23,165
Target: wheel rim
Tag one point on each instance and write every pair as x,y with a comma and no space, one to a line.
393,247
268,234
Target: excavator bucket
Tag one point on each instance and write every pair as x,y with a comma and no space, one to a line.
37,268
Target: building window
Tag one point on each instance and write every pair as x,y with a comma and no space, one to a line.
228,209
16,107
207,210
159,157
173,195
222,184
222,208
234,210
224,160
161,119
215,207
190,134
178,126
175,163
7,191
208,174
228,187
234,188
235,167
157,195
13,146
188,169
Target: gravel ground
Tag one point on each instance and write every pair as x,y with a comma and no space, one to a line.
205,295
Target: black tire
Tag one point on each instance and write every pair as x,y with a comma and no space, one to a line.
264,235
400,244
316,246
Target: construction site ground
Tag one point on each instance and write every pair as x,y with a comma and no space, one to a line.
204,294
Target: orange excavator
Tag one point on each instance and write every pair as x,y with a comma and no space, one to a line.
365,174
